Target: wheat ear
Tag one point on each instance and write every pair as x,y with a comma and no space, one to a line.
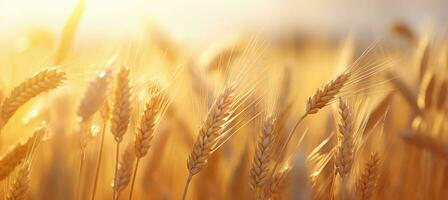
276,184
43,81
94,95
20,185
145,132
325,95
344,152
209,133
124,172
367,181
320,99
260,166
121,112
14,157
104,111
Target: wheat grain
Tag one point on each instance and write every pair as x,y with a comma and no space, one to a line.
367,181
41,82
260,166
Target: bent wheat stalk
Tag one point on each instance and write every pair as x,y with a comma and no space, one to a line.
14,157
320,99
91,102
148,124
209,134
43,81
105,116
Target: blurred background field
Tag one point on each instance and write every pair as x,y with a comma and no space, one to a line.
188,47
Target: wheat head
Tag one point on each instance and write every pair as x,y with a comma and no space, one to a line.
121,110
260,167
14,157
276,184
367,180
94,95
210,131
344,152
148,122
43,81
325,95
125,169
19,188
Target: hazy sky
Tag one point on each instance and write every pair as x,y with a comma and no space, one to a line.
198,19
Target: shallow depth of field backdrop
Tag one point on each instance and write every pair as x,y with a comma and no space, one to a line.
223,99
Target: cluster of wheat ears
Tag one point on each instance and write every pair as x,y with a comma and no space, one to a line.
385,137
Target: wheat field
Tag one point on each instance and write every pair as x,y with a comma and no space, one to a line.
251,117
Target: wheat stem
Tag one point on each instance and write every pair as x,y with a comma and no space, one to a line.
133,178
114,195
288,139
187,184
98,165
81,166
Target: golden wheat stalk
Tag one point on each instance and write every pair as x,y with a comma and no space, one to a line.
433,145
367,181
260,166
68,33
427,91
320,99
124,172
276,184
148,122
121,112
14,157
94,95
344,152
326,94
93,98
20,186
213,127
378,113
442,95
405,31
43,81
104,111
